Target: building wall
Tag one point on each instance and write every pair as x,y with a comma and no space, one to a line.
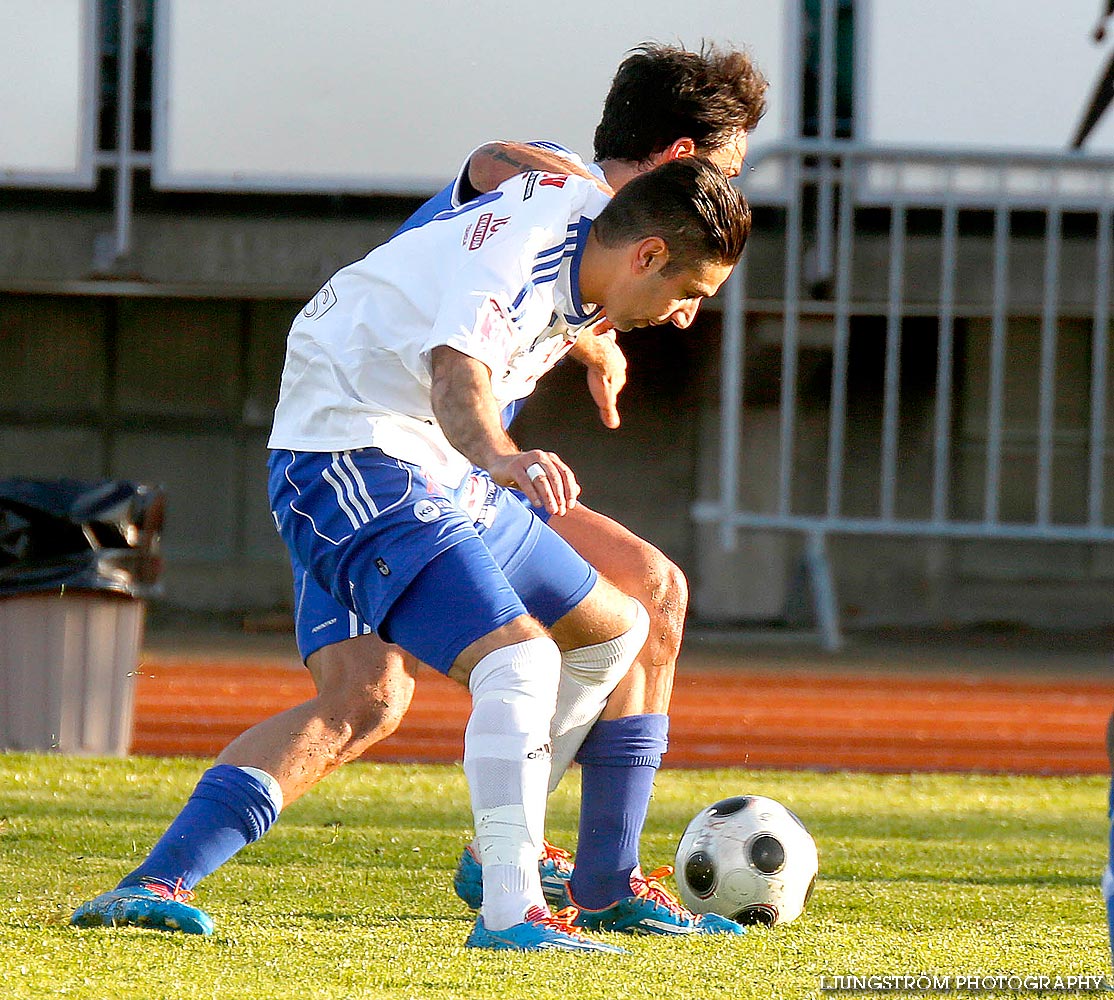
129,379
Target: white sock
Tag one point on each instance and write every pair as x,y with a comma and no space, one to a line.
506,761
588,676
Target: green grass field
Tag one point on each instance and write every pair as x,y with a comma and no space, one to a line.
350,895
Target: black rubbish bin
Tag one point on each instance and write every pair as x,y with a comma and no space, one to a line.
77,561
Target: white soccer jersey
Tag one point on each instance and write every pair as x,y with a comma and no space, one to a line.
496,279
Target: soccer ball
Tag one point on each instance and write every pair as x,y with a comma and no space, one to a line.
747,858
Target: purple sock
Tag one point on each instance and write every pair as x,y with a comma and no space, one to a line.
228,810
618,759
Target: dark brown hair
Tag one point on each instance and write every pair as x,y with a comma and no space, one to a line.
688,203
662,93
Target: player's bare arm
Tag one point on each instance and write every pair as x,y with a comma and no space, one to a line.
495,162
470,417
599,352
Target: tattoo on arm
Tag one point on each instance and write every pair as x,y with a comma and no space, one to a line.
502,155
498,161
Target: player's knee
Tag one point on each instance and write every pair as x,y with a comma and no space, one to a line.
520,629
364,689
667,606
370,718
603,665
381,706
514,694
529,667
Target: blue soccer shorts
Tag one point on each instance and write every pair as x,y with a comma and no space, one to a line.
361,526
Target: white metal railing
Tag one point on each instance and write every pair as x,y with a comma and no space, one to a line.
839,178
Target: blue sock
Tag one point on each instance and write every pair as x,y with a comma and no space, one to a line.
1108,874
228,810
619,759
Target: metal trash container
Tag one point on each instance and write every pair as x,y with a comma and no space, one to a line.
77,561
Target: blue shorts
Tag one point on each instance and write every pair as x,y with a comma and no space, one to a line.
361,526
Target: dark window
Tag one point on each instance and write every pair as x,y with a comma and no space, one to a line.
845,66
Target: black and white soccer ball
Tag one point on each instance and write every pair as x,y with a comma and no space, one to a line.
747,858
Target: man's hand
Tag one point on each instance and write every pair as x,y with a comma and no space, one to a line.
545,479
597,350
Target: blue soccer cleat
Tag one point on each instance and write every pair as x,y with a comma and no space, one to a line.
540,931
554,866
652,909
148,905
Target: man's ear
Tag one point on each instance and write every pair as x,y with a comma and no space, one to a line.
678,149
651,255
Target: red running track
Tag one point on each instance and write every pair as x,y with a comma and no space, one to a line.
760,718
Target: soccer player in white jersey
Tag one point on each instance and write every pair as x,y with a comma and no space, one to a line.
665,102
395,377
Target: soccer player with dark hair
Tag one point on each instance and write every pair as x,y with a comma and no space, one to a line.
389,476
685,103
